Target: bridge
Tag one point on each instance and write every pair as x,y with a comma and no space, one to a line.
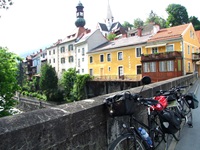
82,125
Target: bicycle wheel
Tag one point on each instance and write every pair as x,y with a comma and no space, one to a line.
186,112
128,142
158,136
177,110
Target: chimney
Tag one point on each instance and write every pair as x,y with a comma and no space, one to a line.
156,28
139,31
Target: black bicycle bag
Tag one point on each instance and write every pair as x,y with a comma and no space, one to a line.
120,104
170,121
192,101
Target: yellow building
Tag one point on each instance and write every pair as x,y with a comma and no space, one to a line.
118,59
171,53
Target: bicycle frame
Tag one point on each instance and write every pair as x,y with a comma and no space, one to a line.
151,118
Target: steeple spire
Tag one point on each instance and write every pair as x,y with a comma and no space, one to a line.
109,18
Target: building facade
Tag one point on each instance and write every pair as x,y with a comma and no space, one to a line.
170,53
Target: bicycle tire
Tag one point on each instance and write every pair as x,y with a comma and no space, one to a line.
126,142
159,137
187,112
177,135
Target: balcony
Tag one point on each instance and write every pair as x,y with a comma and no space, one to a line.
195,56
161,56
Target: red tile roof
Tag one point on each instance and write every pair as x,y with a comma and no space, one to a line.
169,33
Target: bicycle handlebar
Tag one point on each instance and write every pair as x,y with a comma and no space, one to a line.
147,101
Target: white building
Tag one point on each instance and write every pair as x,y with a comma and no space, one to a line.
84,45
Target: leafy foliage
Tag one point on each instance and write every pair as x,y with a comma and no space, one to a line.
68,80
74,85
48,81
111,36
138,23
177,15
154,18
5,4
196,23
79,86
127,24
8,80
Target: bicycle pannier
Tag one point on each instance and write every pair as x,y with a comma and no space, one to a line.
170,121
192,101
120,104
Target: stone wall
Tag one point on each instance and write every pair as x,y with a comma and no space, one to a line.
83,125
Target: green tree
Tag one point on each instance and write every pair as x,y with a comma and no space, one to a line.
127,24
177,15
20,74
5,4
48,81
8,81
138,23
154,18
67,81
196,23
79,90
111,36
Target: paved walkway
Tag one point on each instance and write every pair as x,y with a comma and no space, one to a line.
190,137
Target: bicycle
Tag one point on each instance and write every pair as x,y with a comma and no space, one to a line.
178,102
131,138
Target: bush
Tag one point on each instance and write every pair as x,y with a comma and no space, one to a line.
56,96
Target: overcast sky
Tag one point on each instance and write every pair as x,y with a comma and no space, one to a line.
29,25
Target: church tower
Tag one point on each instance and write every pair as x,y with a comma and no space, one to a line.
109,19
80,21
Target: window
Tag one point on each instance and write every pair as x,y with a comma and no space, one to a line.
138,52
120,71
62,49
165,66
170,65
108,57
101,58
62,60
54,60
162,66
91,59
82,70
54,51
79,62
63,70
149,67
154,50
189,67
179,65
49,60
91,72
71,58
139,69
109,68
188,49
191,34
83,51
120,56
49,52
79,50
70,47
82,59
169,48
